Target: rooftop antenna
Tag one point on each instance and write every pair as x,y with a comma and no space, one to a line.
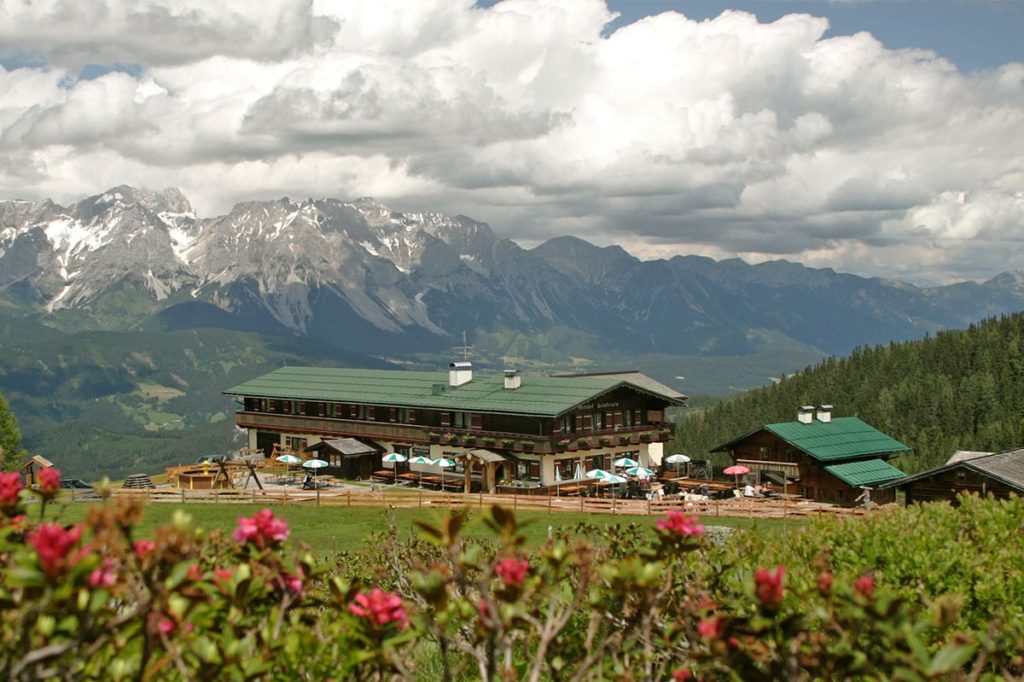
464,347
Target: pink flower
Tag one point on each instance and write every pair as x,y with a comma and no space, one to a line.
49,482
223,574
166,626
768,586
825,583
380,608
10,486
104,575
864,586
512,571
143,547
676,523
681,675
195,573
291,582
711,628
263,529
53,543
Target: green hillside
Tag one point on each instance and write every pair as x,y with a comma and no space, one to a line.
112,403
955,390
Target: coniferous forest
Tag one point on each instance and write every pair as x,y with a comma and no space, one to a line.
956,390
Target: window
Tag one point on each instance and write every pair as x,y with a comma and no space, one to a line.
353,412
764,454
446,419
476,420
392,414
296,443
321,409
411,417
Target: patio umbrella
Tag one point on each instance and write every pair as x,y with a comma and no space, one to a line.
444,463
314,464
394,458
736,470
678,459
599,474
625,462
614,480
290,460
420,459
640,472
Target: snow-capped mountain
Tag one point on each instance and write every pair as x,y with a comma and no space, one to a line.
360,275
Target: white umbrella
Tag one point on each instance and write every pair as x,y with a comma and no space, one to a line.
625,462
640,472
394,457
444,464
420,459
599,474
289,459
315,464
678,459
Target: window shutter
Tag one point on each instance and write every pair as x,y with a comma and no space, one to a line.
477,420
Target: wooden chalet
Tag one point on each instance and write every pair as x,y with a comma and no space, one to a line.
999,474
500,426
822,458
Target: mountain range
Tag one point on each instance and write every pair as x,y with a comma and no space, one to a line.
124,315
362,277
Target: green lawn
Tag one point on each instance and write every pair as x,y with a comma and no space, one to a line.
330,529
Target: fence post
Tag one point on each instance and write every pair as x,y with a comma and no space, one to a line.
515,500
421,498
348,497
716,507
581,501
183,496
254,495
648,506
549,504
318,497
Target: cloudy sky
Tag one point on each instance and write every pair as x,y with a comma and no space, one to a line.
880,138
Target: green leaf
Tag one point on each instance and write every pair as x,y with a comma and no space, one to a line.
951,657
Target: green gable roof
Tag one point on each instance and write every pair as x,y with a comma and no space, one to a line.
865,472
541,396
838,439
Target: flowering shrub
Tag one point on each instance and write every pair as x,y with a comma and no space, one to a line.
93,601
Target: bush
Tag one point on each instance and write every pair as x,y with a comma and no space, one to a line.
874,598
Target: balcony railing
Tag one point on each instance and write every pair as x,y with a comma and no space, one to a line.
418,433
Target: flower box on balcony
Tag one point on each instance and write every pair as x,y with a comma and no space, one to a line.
527,445
469,440
508,444
434,437
561,445
584,443
604,441
489,442
623,439
646,436
665,434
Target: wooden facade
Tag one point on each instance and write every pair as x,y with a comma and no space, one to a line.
810,447
622,420
986,474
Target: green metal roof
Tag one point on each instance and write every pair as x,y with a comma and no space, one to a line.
838,439
865,472
541,396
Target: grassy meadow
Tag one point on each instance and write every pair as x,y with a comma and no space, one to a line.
341,529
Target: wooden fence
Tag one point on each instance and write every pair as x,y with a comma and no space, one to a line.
405,498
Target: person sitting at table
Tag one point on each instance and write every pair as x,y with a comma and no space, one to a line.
748,490
769,489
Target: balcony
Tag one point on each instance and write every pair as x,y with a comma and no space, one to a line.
468,438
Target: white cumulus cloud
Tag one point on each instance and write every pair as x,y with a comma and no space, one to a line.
721,137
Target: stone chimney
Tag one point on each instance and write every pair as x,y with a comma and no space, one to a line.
805,414
824,413
513,379
460,373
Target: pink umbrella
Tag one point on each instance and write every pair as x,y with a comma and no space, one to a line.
736,470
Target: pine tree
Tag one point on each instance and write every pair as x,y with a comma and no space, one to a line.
10,437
